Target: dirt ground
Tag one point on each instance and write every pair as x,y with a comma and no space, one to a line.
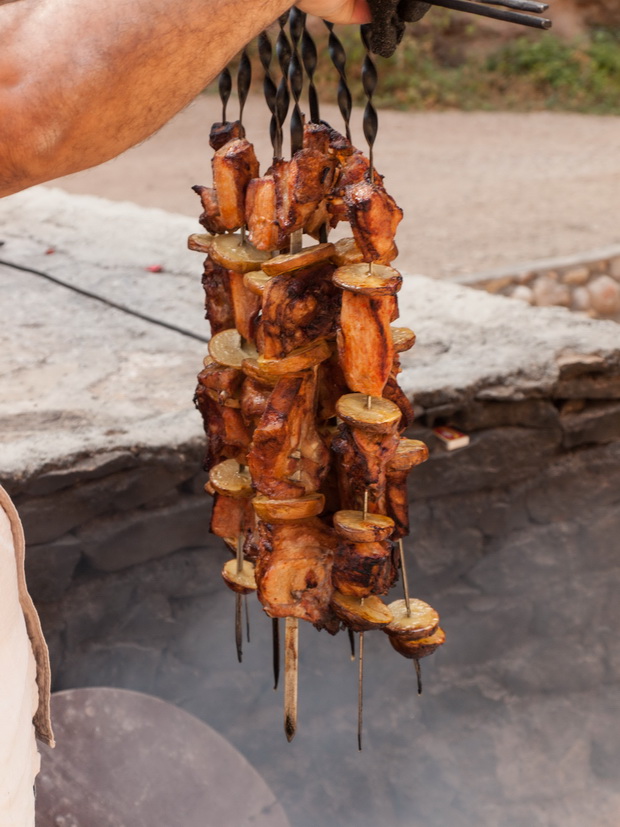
479,190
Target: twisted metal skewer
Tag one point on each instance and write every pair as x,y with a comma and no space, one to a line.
369,82
224,87
309,57
296,79
269,88
339,59
244,81
283,52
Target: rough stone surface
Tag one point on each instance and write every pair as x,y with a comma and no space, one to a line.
138,761
514,540
605,295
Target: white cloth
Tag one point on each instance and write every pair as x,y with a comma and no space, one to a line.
19,695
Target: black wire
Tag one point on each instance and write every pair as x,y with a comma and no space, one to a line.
122,307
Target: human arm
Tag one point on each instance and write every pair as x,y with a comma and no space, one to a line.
83,80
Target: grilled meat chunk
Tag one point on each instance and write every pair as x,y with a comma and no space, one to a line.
362,569
227,435
374,217
218,298
301,185
231,518
363,459
298,308
365,345
210,218
223,132
254,398
234,166
246,306
260,212
294,567
225,382
288,457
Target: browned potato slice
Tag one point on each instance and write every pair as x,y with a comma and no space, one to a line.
200,242
417,649
410,452
353,526
228,348
420,624
295,261
359,278
229,251
347,252
403,339
256,281
301,358
227,478
252,369
382,416
242,582
361,615
277,511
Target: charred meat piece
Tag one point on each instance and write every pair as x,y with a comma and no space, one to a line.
395,394
362,569
225,382
365,343
301,185
246,306
254,398
356,169
394,502
323,138
234,166
227,435
298,308
223,132
231,518
261,216
363,459
288,457
294,567
218,297
331,386
374,217
210,218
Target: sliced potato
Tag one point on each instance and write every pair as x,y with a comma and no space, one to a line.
242,582
229,349
229,251
421,648
200,242
277,511
347,252
403,338
420,624
382,416
360,615
256,281
295,261
381,280
252,369
227,478
353,526
410,452
301,358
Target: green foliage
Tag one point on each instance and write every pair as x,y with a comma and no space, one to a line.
448,66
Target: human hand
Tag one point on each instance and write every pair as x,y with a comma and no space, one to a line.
338,11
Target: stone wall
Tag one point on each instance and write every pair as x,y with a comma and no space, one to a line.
587,284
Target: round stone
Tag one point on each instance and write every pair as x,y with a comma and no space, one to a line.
605,295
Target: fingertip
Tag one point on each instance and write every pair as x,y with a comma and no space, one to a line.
361,12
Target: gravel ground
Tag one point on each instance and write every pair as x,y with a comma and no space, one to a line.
480,190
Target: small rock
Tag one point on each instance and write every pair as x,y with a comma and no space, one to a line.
576,276
605,295
614,268
497,285
523,293
548,292
581,299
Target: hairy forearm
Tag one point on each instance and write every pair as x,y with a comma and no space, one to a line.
83,80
